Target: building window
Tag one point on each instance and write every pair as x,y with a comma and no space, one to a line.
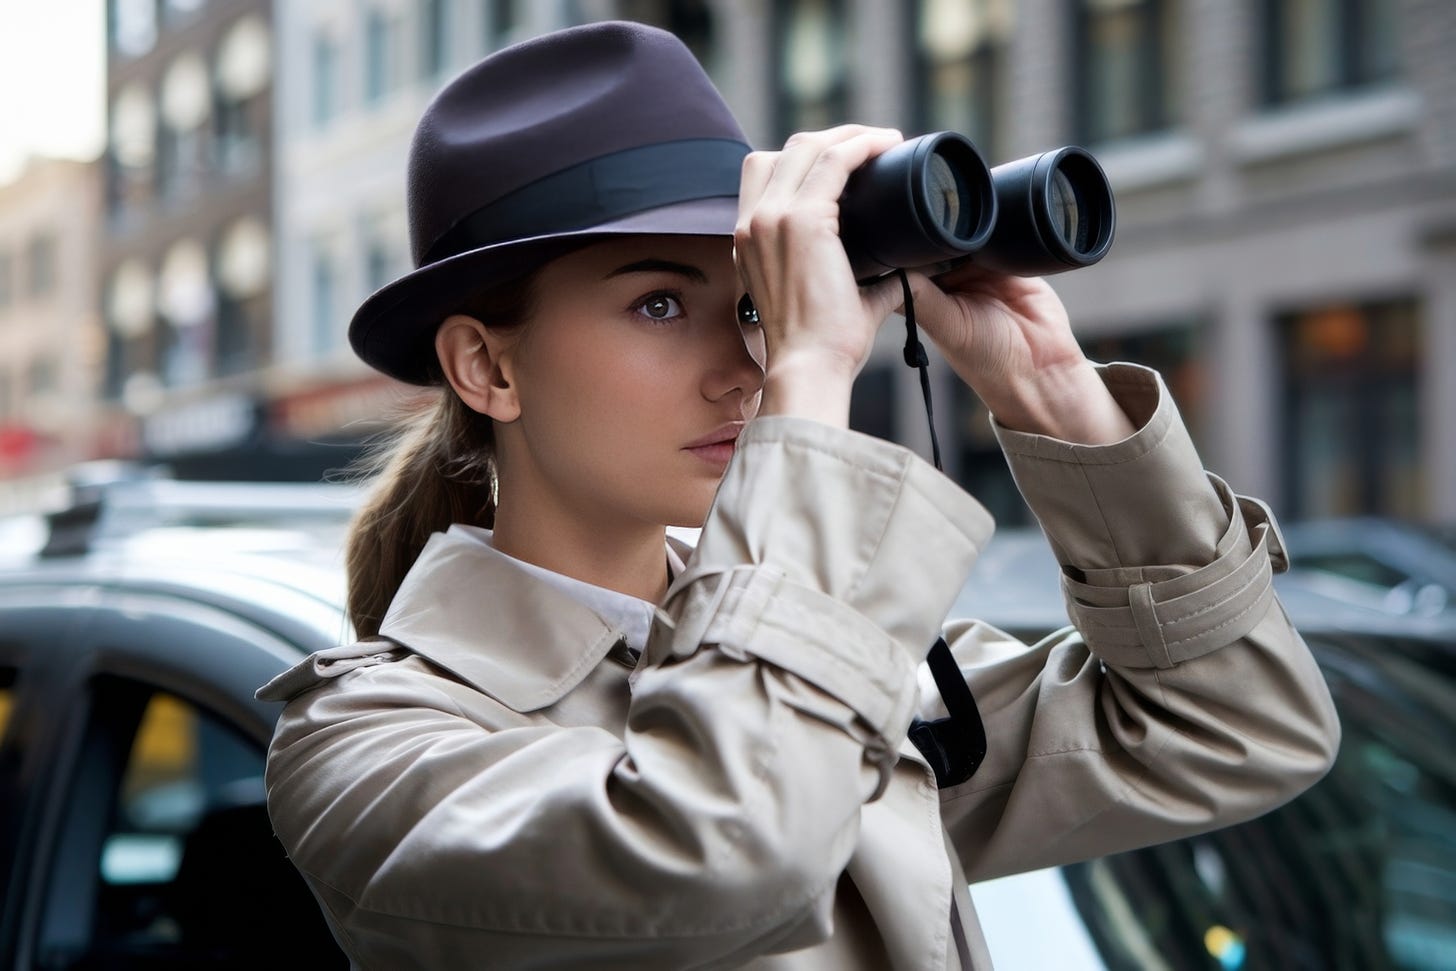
44,376
1315,47
1173,351
235,350
243,74
691,21
1122,67
184,141
132,151
123,358
187,301
178,162
7,278
502,21
811,64
435,32
872,402
237,139
176,11
1351,421
960,54
325,302
981,467
381,63
40,261
132,26
379,265
325,79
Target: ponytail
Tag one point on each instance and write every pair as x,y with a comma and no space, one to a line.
438,468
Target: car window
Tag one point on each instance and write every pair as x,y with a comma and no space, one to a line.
7,699
1357,566
1358,872
166,856
182,765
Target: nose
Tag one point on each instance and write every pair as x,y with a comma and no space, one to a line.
737,362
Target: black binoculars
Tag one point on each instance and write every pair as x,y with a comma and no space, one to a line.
930,203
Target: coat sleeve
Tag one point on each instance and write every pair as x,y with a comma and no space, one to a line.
1181,699
778,682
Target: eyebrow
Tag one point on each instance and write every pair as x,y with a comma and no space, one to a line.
661,266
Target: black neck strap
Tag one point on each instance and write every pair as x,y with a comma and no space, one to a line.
600,190
954,746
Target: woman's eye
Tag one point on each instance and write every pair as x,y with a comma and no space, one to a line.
660,306
747,312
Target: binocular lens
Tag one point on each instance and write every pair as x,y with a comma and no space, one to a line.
1066,212
946,189
931,202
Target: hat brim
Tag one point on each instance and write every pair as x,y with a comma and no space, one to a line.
394,328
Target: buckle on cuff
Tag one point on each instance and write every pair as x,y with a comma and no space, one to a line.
1256,512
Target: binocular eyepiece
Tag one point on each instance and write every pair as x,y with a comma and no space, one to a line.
930,203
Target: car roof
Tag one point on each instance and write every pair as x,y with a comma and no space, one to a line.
1016,585
271,552
1432,546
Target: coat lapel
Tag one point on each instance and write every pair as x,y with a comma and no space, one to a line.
512,636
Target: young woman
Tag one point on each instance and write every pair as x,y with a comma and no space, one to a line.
565,741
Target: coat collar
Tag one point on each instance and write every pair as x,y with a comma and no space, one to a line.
512,635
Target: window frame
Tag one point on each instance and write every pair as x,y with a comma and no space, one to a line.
1155,101
987,60
62,635
1352,70
837,102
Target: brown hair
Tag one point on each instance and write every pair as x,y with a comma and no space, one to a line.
434,468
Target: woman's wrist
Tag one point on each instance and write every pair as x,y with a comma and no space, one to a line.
1071,405
806,385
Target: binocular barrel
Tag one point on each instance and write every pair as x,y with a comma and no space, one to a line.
930,203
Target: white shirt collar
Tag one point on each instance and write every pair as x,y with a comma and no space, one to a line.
631,616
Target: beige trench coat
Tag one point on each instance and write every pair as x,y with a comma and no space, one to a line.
498,785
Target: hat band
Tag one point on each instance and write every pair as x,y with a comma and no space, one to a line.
600,190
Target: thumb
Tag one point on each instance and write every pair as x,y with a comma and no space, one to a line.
934,308
883,297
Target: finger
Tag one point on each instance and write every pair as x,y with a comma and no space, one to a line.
801,153
934,308
830,172
970,275
758,167
767,182
883,297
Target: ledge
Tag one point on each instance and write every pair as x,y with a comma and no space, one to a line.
1330,123
1147,162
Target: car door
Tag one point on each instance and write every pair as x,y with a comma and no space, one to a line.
145,840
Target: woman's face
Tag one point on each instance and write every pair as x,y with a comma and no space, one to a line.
632,359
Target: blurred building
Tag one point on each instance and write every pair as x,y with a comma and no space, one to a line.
352,81
1285,173
51,345
186,252
1286,180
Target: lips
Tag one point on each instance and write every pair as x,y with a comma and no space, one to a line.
716,447
725,434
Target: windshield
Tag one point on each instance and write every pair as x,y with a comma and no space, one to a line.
1359,872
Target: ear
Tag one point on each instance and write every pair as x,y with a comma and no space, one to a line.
477,361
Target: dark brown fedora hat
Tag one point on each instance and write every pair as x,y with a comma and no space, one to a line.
602,129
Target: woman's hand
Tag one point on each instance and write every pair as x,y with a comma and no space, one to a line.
1009,338
818,323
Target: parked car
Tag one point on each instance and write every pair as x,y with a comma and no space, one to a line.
134,627
136,623
1358,872
1399,566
